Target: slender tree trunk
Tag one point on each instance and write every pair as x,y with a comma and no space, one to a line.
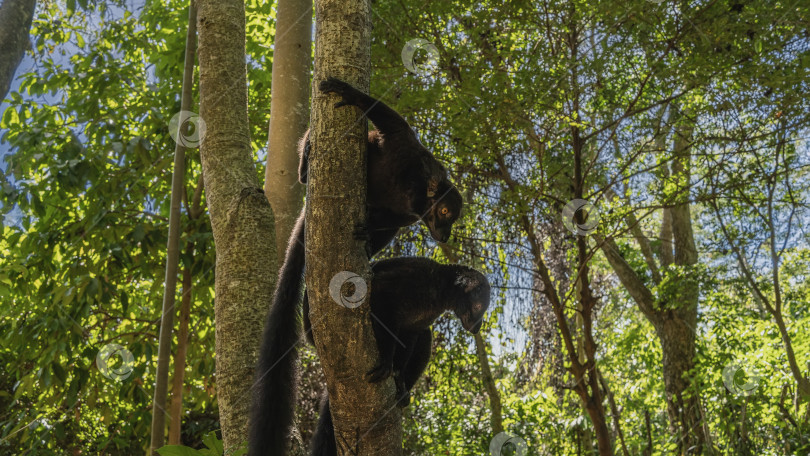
366,419
614,411
289,113
15,24
496,412
176,407
173,249
241,218
586,434
496,418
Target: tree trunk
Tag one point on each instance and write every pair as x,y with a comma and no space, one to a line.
366,419
15,24
173,248
289,113
495,409
241,218
496,418
675,316
676,333
676,328
176,406
614,411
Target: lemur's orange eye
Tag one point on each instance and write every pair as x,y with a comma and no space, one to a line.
444,211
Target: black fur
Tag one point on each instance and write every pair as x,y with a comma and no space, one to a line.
408,295
274,387
405,184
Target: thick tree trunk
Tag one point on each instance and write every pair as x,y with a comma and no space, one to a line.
159,412
241,218
675,330
15,24
366,419
289,113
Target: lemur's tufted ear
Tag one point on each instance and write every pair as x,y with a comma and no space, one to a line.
467,281
432,187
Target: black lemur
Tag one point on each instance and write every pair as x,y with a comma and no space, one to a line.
407,295
405,184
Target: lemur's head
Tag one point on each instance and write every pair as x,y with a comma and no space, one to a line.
475,302
444,202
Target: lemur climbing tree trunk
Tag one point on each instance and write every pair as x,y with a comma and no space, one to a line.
15,24
366,419
241,218
289,113
159,408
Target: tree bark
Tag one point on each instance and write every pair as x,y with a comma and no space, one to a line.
366,419
614,411
173,248
15,24
289,113
496,418
241,218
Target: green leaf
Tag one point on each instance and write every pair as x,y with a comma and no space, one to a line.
213,443
10,118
